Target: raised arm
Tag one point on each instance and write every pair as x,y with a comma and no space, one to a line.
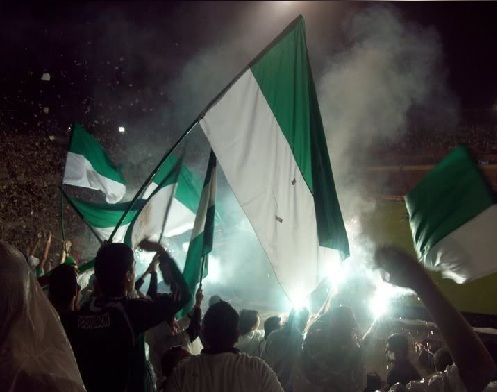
45,251
33,249
66,249
474,363
170,273
194,327
154,281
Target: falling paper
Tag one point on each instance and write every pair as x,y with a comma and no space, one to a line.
45,77
46,110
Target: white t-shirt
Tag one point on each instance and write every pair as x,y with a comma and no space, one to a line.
250,343
448,381
224,372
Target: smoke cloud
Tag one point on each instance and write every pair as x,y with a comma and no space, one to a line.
389,70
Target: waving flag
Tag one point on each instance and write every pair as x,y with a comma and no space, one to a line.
104,217
267,133
88,166
453,219
202,233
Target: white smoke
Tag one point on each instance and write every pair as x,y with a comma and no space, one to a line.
389,69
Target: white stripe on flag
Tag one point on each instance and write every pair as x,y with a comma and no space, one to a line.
468,252
266,181
80,172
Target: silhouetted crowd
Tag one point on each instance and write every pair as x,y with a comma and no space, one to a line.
109,336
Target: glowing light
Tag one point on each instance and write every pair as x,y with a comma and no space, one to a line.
379,304
213,270
121,130
299,300
336,273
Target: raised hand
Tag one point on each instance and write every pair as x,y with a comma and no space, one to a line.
399,268
151,246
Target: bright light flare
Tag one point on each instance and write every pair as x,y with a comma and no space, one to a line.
299,300
121,130
379,304
337,273
213,270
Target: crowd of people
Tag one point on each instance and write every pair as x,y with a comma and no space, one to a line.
112,337
428,146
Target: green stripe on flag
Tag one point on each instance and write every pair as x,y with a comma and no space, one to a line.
202,233
103,215
450,195
285,78
82,143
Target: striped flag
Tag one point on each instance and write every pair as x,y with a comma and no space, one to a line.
202,233
88,166
453,219
104,217
268,136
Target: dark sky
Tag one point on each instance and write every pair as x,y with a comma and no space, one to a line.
113,63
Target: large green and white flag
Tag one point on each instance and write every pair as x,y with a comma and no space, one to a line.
268,136
202,233
453,219
88,166
104,217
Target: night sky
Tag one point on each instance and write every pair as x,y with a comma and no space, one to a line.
115,63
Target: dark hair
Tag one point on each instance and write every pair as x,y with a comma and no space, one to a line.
248,320
398,344
442,359
373,382
171,358
112,263
220,326
62,285
271,324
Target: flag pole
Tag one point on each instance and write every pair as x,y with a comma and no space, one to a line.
200,116
62,228
202,270
81,215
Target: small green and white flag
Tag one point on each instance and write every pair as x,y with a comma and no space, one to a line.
453,219
88,166
153,218
104,217
202,233
268,136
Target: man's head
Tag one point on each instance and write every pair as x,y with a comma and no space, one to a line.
214,300
114,269
249,321
220,326
63,288
271,324
442,359
397,347
172,358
